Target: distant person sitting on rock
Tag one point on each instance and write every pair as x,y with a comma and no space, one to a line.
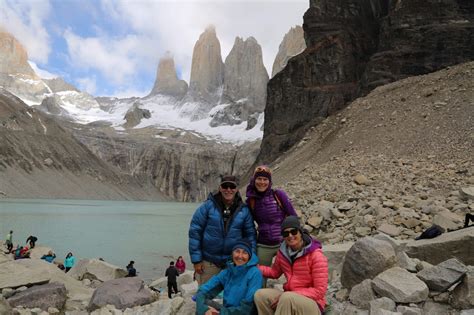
32,239
49,257
9,241
22,252
180,264
171,273
469,217
69,262
239,280
305,267
132,272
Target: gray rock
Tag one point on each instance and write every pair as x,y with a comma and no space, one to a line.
400,286
406,262
5,308
447,220
335,255
406,310
350,309
95,269
366,259
458,244
467,193
383,303
41,296
389,229
362,293
463,294
467,312
433,308
135,115
444,275
122,293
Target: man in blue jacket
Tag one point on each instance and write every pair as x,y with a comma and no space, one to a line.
217,225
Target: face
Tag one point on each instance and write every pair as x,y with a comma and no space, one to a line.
240,257
262,183
293,241
228,191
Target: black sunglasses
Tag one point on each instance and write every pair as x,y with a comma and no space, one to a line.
287,233
228,185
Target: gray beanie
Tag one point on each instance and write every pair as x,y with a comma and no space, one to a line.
291,222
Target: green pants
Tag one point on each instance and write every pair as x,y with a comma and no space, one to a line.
266,253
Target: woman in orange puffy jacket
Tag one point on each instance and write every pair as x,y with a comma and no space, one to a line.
305,267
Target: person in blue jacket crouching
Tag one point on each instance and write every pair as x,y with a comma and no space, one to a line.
240,280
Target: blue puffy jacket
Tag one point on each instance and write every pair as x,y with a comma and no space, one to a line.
239,284
207,238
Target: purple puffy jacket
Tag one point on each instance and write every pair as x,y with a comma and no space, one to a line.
268,214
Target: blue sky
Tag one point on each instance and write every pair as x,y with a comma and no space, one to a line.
112,48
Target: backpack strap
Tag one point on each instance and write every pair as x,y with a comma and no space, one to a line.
276,192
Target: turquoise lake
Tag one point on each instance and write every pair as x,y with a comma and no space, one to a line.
150,233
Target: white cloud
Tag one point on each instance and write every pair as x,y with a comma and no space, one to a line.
24,20
88,84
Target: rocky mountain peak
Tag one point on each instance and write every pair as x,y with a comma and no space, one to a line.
207,70
292,44
245,83
13,56
167,81
59,85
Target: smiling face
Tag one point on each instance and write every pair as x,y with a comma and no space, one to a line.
240,257
262,183
294,241
228,192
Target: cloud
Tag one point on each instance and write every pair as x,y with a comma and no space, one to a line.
25,21
87,84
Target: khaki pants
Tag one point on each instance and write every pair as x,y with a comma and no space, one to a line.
289,303
209,270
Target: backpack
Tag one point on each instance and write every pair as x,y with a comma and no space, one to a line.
431,232
251,201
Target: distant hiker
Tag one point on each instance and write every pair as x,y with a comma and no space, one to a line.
305,267
216,226
171,273
469,217
180,265
269,208
69,262
32,239
49,257
239,281
132,272
9,241
22,252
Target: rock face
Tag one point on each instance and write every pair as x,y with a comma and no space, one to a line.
13,56
167,81
59,85
135,115
354,46
122,293
442,276
95,269
245,83
293,43
41,296
207,73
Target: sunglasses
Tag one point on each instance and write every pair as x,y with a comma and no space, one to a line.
287,233
228,185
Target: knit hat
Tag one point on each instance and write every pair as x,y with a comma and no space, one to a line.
262,171
291,222
229,179
243,245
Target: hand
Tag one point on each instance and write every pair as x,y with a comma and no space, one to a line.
275,303
211,311
199,268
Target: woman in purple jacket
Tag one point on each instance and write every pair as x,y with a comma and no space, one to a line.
269,208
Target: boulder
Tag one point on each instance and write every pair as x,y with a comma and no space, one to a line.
400,286
444,275
39,251
5,308
458,244
378,306
407,310
42,296
467,193
366,259
95,269
389,229
335,255
351,309
463,294
122,293
362,293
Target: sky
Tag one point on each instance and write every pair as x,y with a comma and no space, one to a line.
112,48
